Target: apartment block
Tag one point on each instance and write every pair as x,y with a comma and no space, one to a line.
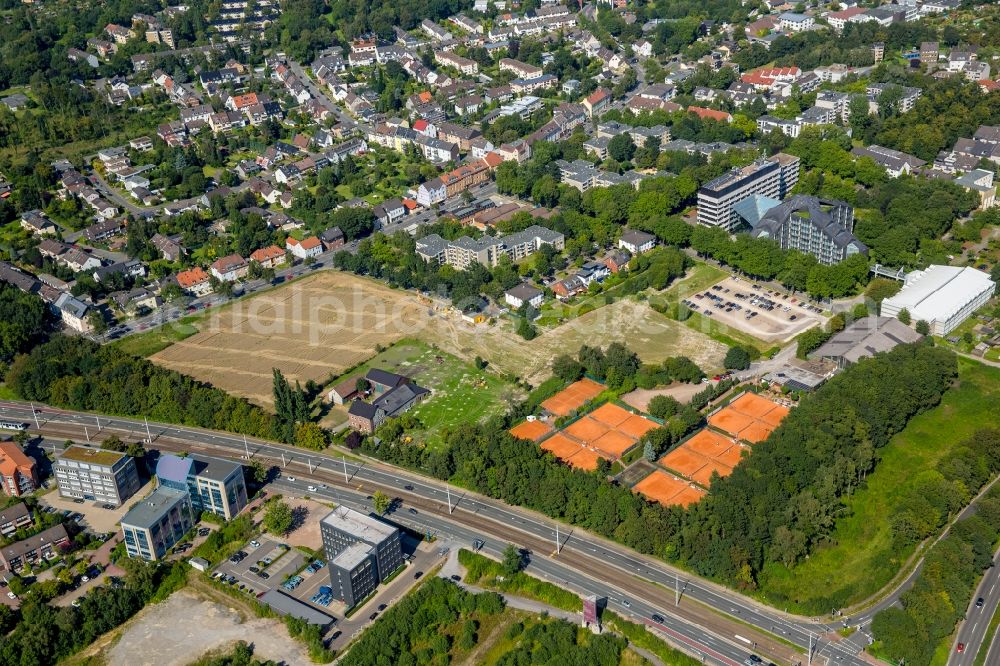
771,177
18,472
154,525
463,252
13,518
30,550
96,474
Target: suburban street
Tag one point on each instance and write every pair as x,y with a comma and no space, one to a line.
718,620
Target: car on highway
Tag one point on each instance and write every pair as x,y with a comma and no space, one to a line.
626,603
407,487
753,660
382,607
960,648
290,479
417,575
373,616
657,618
979,602
311,489
412,510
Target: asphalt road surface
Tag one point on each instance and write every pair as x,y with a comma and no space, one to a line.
972,631
717,623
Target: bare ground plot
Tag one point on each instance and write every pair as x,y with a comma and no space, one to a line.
632,322
682,393
313,329
775,325
185,626
307,515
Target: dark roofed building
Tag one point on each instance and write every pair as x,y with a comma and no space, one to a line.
822,228
865,338
396,394
18,554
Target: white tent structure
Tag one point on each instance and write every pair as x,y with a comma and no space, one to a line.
943,296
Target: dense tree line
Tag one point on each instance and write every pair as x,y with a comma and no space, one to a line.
944,588
76,373
23,320
240,655
558,641
424,626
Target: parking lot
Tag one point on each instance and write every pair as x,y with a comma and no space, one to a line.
766,314
290,570
96,518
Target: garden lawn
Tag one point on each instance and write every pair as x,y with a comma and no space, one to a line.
862,560
146,344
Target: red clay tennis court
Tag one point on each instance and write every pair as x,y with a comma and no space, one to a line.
613,443
531,430
561,446
709,443
585,459
755,432
774,417
668,489
732,455
688,496
749,417
572,397
730,421
586,429
704,475
636,426
684,461
610,414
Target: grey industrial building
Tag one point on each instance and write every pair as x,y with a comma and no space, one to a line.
820,227
865,338
362,552
154,525
103,476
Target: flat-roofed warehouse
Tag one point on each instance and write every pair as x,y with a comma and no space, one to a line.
865,338
943,296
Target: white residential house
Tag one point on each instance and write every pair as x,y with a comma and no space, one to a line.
523,293
308,247
795,22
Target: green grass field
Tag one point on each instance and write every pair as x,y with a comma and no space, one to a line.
6,393
148,343
861,560
462,394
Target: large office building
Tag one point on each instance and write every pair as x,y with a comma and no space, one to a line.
214,485
362,551
820,227
943,296
103,476
770,177
154,525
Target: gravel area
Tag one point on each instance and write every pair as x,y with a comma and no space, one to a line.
184,627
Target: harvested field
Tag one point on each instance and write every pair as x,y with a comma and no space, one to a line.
531,430
573,397
668,489
313,329
319,326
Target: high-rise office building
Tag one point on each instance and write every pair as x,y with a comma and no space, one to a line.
103,476
155,524
215,485
770,177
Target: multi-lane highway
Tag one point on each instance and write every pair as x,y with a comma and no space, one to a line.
719,624
973,629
